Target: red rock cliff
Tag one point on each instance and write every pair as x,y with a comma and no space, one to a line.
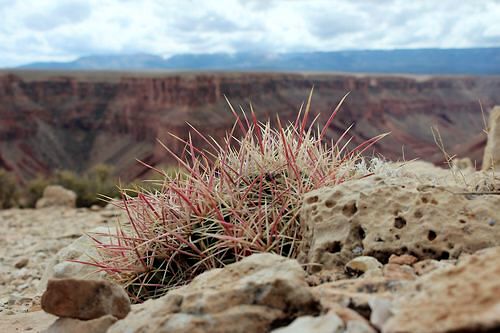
75,120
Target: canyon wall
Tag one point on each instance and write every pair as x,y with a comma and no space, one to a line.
74,120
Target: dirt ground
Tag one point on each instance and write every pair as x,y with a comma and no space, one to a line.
29,238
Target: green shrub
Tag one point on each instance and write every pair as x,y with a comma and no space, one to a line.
91,188
156,181
8,190
34,191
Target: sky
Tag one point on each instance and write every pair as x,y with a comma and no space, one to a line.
62,30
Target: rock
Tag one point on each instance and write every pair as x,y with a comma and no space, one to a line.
66,325
353,321
329,323
326,276
380,311
358,327
248,296
367,266
428,265
463,298
95,208
55,195
399,272
82,249
400,215
85,299
491,157
463,163
356,294
346,314
23,262
404,259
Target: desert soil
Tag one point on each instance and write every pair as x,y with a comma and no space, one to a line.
29,239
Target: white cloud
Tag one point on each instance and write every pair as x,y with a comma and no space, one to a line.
62,30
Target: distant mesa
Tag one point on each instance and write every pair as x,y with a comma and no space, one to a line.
470,61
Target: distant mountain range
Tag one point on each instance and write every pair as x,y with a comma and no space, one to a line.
473,61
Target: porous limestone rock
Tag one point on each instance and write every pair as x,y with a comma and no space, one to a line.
259,293
328,323
85,299
399,272
491,157
66,325
404,259
358,327
364,265
428,265
378,217
56,195
462,298
381,311
356,294
82,249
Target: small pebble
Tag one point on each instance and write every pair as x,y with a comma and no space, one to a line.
368,266
404,259
358,250
95,208
21,263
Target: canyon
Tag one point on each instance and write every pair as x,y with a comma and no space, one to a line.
76,120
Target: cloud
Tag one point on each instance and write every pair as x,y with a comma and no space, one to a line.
210,22
60,14
327,26
64,29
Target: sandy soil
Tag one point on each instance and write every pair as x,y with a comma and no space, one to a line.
29,238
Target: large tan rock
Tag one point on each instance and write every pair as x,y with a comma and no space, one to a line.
85,299
55,195
491,157
249,296
378,217
463,298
